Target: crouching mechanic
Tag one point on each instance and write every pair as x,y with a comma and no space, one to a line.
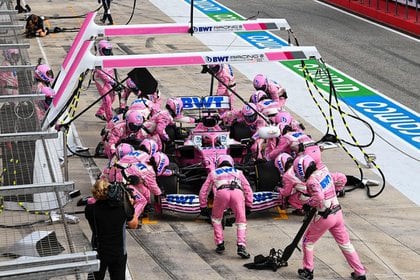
322,194
231,190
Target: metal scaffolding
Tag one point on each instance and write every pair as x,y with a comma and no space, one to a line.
37,233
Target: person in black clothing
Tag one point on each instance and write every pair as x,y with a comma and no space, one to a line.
107,11
108,221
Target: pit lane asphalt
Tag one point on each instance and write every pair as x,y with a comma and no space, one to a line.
384,230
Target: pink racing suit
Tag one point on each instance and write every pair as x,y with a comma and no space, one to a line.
8,81
113,173
284,117
294,190
322,196
228,117
256,147
104,81
147,179
276,146
275,91
237,197
225,74
117,133
159,121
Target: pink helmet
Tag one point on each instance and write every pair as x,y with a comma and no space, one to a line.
283,162
44,73
134,121
105,48
123,149
249,111
149,146
303,166
161,161
11,55
224,160
174,106
260,82
283,117
132,85
258,96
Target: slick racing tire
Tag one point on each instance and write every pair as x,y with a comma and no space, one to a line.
169,184
239,131
267,176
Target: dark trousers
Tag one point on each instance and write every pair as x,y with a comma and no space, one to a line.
115,267
107,14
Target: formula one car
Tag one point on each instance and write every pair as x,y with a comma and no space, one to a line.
195,156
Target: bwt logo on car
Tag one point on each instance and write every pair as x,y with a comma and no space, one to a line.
211,102
203,28
262,196
181,199
217,59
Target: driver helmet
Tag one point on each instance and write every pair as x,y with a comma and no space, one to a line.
224,160
11,55
134,121
159,161
304,166
206,141
49,94
174,106
149,146
249,112
258,96
44,73
260,82
105,48
283,162
123,149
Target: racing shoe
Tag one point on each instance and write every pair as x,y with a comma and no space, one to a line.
220,248
242,252
305,274
101,117
355,277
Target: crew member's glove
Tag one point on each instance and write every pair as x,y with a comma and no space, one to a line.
118,87
178,174
205,69
162,194
247,211
302,126
306,208
205,211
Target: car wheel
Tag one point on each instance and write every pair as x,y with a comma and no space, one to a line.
169,184
267,176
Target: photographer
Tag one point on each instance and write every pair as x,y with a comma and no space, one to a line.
108,218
